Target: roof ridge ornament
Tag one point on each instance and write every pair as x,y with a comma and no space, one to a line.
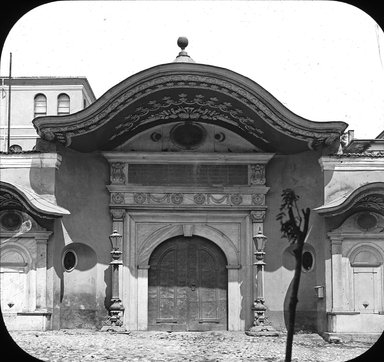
183,56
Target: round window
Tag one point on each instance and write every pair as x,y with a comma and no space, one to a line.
188,135
366,221
69,260
307,261
11,220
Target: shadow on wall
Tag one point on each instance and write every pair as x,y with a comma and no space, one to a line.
306,314
78,287
108,287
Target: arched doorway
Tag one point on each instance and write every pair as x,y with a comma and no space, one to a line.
187,286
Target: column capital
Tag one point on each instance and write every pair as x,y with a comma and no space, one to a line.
117,214
258,216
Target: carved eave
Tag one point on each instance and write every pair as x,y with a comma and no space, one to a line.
369,197
188,92
25,199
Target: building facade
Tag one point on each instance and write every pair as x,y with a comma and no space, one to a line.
35,97
187,162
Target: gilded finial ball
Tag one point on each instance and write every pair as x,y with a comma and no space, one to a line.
182,42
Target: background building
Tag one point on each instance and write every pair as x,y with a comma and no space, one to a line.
38,96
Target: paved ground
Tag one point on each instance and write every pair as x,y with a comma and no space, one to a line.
90,345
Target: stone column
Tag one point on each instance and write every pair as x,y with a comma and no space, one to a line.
260,326
118,216
116,309
337,274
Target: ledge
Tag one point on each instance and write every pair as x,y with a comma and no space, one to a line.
188,157
30,160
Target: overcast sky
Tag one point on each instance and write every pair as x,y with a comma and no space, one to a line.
323,60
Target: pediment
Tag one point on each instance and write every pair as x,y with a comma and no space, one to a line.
188,92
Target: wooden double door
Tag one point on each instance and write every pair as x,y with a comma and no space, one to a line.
187,286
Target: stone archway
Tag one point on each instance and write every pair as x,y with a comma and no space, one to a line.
205,231
187,286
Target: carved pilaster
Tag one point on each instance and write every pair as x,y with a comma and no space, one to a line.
260,326
256,174
257,218
118,221
118,175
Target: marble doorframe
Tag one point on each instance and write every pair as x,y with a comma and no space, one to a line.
138,245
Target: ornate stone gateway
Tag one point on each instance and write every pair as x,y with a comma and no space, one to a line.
187,286
188,147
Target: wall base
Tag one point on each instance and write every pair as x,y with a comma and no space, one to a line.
350,337
27,321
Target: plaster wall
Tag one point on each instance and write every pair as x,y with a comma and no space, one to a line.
79,298
81,189
342,176
302,173
36,171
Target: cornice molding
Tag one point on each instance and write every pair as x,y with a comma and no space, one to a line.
329,163
188,157
367,197
32,160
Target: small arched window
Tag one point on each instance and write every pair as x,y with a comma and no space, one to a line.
40,105
63,104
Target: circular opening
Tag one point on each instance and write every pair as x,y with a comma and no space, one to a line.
15,149
11,220
69,260
188,135
307,261
366,221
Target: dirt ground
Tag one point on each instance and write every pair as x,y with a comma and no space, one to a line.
90,345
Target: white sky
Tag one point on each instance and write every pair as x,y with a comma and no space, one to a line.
320,59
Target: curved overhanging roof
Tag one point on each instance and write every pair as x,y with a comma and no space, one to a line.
13,196
182,91
368,197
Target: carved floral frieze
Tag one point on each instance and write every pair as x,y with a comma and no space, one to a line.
198,199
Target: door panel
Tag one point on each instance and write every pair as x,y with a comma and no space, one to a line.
187,286
367,288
